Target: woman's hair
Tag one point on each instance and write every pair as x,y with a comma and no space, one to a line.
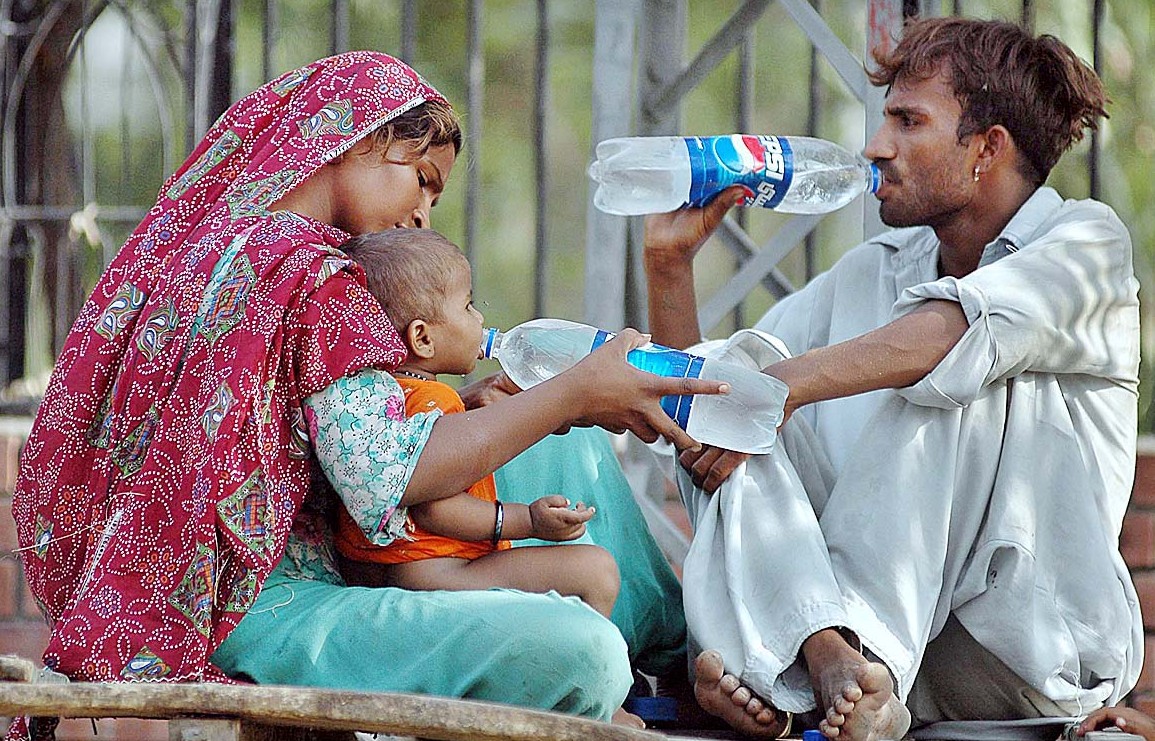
1036,87
430,124
409,271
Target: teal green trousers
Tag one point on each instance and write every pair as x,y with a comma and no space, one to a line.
534,650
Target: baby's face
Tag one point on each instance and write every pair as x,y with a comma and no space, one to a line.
457,338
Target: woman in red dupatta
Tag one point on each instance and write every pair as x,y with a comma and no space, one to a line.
170,457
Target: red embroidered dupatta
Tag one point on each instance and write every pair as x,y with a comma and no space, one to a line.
169,456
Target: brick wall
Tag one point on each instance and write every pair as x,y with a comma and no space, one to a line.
1137,543
22,630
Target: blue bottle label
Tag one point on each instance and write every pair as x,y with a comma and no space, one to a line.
763,165
663,361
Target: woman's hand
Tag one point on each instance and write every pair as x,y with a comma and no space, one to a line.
488,390
710,466
617,396
1125,719
552,519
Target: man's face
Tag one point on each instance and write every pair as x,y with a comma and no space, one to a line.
928,176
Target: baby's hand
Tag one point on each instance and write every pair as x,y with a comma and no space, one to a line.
552,519
1126,719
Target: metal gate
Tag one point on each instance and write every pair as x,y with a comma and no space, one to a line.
54,229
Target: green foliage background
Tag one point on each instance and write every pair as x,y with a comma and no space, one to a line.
503,158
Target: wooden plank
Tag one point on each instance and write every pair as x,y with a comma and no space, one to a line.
423,716
16,669
200,729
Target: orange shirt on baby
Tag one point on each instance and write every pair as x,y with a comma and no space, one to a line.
418,544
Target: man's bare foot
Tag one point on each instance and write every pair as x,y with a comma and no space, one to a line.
722,695
623,717
858,695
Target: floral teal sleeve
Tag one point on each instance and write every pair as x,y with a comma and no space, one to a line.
368,448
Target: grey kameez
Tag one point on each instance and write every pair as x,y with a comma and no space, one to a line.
993,490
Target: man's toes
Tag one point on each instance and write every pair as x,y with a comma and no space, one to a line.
852,692
741,696
842,705
729,684
708,667
754,706
835,718
828,730
766,716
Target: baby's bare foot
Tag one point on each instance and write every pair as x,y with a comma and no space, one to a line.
723,695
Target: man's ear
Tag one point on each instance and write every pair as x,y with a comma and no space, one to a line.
419,340
996,148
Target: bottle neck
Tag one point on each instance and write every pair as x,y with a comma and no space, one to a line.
490,341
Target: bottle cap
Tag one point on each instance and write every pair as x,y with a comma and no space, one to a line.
813,735
488,342
875,178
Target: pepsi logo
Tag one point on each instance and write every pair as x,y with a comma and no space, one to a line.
740,154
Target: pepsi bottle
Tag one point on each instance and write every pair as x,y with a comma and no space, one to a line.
794,174
746,419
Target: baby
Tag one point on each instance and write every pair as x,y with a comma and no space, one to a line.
462,542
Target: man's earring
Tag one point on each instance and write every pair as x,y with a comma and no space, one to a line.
976,173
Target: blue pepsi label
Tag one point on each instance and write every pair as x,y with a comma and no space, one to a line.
762,165
663,361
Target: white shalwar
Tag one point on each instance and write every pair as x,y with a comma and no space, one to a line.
994,489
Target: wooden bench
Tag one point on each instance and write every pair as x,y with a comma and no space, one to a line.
215,712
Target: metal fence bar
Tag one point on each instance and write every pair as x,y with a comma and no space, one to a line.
268,39
1097,9
663,36
659,104
475,77
604,295
741,283
408,30
540,161
87,134
163,102
813,121
884,26
190,73
339,27
1028,17
744,120
845,63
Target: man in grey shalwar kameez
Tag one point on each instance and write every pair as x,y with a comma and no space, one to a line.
937,532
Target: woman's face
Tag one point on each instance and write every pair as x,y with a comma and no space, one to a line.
372,193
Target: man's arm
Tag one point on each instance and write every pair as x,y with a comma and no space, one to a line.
671,242
895,355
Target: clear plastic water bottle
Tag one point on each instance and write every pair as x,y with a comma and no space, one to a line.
795,174
746,419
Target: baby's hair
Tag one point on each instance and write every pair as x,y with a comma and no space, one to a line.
409,271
